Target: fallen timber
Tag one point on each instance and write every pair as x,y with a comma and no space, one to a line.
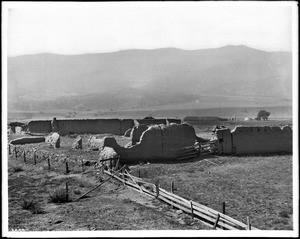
208,216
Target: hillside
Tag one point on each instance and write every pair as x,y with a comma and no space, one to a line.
132,79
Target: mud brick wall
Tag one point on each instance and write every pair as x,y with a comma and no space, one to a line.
94,126
255,140
40,126
247,140
176,121
158,142
224,141
81,126
151,121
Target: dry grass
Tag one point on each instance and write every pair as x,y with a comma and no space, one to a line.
256,186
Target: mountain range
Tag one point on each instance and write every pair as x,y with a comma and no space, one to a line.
135,79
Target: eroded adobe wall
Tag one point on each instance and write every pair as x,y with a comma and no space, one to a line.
40,126
125,125
89,126
224,141
176,121
248,140
151,121
159,142
255,140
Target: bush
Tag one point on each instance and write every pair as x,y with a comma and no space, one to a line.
59,196
32,206
76,191
17,169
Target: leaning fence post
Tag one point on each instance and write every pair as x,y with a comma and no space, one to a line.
67,192
223,211
67,168
216,222
48,159
248,224
157,188
24,156
34,157
192,210
82,165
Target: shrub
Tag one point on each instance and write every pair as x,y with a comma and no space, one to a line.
59,196
17,169
76,191
32,206
283,214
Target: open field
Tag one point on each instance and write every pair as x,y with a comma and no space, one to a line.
256,186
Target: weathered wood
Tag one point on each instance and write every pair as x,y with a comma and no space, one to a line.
101,183
82,165
67,192
34,157
216,222
201,211
248,224
24,156
139,173
16,153
223,210
192,210
157,188
67,168
49,166
9,149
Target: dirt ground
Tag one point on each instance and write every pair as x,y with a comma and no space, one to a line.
256,186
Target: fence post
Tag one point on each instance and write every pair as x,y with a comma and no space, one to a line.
82,165
34,157
223,211
157,188
67,192
248,224
48,159
139,173
67,168
192,210
24,156
16,154
9,150
216,222
172,190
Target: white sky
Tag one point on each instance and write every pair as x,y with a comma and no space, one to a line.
76,28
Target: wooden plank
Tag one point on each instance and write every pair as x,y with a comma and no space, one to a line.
198,208
99,184
216,222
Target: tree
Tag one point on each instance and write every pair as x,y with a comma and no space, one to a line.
263,115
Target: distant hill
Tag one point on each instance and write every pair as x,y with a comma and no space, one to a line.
131,79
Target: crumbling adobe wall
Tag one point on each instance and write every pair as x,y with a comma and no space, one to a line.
89,126
125,125
92,126
158,142
137,132
176,121
224,141
247,140
149,122
255,140
40,126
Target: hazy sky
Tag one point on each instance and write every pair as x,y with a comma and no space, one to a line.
76,28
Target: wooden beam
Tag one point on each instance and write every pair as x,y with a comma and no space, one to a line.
100,183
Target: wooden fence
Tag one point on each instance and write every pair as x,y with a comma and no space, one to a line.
206,215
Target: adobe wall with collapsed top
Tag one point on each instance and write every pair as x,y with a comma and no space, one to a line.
256,140
158,142
40,126
81,126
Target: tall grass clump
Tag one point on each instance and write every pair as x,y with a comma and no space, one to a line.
32,206
59,196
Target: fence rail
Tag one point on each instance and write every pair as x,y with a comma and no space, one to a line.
206,215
